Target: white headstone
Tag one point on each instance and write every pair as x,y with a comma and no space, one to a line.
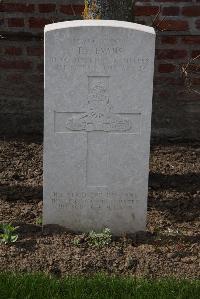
97,110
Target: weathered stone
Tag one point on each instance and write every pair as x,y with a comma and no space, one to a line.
98,99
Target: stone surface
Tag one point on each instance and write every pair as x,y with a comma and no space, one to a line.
98,100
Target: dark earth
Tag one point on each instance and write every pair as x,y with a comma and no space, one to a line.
169,247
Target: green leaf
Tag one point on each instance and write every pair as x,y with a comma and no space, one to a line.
14,238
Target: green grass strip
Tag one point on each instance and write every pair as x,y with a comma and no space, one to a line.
40,286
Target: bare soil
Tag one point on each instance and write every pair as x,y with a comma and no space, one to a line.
169,247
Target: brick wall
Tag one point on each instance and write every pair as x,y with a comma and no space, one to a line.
175,109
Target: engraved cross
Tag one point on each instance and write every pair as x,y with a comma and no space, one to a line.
99,122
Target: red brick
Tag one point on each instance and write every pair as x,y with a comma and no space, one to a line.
45,8
171,11
191,11
173,25
171,54
16,22
35,51
15,64
191,40
196,81
166,68
38,22
72,9
146,10
13,51
16,7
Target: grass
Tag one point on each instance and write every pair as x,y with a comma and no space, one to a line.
40,286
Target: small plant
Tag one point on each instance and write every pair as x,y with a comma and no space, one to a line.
76,241
38,221
100,239
79,239
8,236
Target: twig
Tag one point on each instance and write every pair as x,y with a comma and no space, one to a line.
73,11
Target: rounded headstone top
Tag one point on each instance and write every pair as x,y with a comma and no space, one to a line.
99,23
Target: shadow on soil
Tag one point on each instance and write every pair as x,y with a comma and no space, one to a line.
182,183
22,193
38,139
178,196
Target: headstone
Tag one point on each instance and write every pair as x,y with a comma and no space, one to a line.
97,110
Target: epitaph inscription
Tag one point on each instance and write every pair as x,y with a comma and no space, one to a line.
109,200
